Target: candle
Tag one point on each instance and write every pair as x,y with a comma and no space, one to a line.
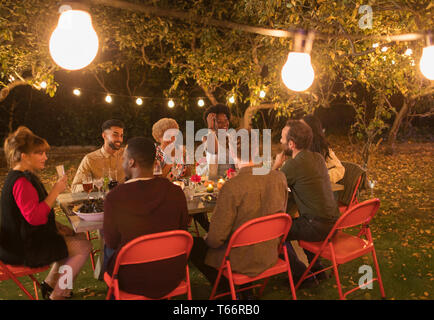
220,183
210,188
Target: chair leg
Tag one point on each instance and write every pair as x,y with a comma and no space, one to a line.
35,285
231,282
336,273
291,280
377,268
187,279
216,283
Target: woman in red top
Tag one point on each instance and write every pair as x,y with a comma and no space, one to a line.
29,234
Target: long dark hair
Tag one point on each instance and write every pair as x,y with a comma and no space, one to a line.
319,142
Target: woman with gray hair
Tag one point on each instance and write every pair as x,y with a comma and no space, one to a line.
172,168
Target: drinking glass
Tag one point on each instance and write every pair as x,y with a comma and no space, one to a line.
87,185
157,169
99,183
60,170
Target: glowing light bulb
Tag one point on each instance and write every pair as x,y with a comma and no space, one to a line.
297,73
427,62
375,45
408,52
43,84
384,49
171,104
11,78
200,103
74,42
232,99
77,92
108,99
139,101
262,94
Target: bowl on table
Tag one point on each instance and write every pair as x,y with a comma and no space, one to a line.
90,210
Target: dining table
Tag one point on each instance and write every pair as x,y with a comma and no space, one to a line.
196,204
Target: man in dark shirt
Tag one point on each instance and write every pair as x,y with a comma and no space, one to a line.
144,205
308,179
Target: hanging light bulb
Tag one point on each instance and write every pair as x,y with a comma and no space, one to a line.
171,104
375,45
297,73
108,98
384,49
408,52
427,59
77,92
43,84
74,42
232,99
262,94
200,103
139,101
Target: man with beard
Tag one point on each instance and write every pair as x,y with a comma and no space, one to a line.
309,182
141,206
105,161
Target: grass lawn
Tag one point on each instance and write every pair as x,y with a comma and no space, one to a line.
402,230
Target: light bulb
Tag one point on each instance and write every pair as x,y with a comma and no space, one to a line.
427,62
171,104
108,99
384,49
201,103
139,101
408,52
77,92
74,42
262,94
43,84
375,45
297,73
232,99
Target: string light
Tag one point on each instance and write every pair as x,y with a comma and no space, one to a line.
43,84
232,99
77,92
171,103
108,99
297,73
262,94
384,49
11,78
375,45
200,103
74,43
427,59
408,52
139,101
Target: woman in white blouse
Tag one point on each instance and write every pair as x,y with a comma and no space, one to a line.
321,145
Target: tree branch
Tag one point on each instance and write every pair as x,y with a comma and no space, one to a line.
4,92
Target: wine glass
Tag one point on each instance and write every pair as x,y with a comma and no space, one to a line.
157,169
87,185
98,183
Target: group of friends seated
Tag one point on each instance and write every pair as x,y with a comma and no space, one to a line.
143,203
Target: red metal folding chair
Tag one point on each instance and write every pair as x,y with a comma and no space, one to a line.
93,251
14,272
149,248
340,247
252,232
352,180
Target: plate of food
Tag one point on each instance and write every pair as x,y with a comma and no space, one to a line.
90,210
209,198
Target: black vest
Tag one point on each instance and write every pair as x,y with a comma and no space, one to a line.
20,242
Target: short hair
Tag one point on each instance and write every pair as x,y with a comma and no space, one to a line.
300,133
160,127
112,123
218,108
142,150
23,140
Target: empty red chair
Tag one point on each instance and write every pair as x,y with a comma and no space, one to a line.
353,179
252,232
340,247
14,272
149,248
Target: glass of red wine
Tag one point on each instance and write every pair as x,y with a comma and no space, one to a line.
87,185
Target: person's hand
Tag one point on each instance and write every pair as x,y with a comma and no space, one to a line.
61,184
211,120
280,159
64,230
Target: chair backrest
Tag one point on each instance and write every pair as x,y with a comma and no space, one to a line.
154,247
353,178
260,230
360,214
